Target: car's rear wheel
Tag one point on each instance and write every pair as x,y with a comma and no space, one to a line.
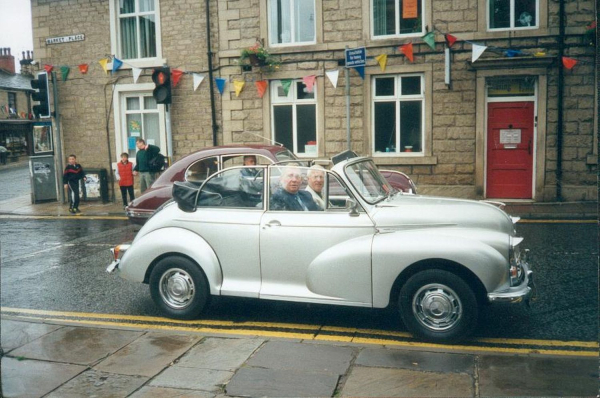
438,305
179,287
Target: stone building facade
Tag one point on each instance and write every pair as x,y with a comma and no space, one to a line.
514,124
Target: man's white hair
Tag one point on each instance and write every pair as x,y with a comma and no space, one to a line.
315,168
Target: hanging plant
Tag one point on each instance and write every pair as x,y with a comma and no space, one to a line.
258,56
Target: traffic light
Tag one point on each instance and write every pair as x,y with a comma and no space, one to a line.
42,95
162,78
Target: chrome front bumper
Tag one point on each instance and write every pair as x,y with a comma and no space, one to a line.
525,292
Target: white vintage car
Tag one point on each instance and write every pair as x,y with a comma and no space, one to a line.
438,260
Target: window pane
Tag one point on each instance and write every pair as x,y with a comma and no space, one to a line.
282,119
202,169
133,103
126,6
384,17
385,126
229,189
280,21
525,13
410,126
128,38
148,36
146,5
410,24
302,91
281,94
384,86
134,129
150,103
411,85
499,14
305,20
306,125
151,129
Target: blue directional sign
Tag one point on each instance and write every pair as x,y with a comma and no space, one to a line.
356,57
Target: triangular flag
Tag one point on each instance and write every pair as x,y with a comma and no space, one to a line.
361,71
477,51
429,38
238,86
512,53
136,73
116,64
407,49
64,71
309,82
103,63
285,85
569,63
83,68
539,54
261,87
333,75
197,80
382,60
48,68
175,76
220,84
450,40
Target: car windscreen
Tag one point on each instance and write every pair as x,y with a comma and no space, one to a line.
368,181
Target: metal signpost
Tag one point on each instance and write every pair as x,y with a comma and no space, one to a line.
355,57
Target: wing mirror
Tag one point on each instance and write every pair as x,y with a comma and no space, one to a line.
352,207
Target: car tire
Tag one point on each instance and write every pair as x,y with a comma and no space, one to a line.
438,305
179,287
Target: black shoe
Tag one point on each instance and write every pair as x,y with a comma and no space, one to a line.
76,210
71,210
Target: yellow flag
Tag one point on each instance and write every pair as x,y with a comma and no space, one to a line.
238,85
382,59
103,63
539,54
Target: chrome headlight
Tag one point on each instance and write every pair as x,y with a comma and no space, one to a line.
515,272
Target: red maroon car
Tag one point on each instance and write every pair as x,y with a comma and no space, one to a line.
199,165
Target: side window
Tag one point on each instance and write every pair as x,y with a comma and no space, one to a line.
233,188
245,160
336,193
202,169
289,190
512,15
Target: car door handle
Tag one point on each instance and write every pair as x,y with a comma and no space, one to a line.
273,223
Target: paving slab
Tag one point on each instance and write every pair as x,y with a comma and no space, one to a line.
220,354
31,378
160,392
543,376
15,334
303,357
77,345
95,384
258,382
192,378
384,382
416,360
148,355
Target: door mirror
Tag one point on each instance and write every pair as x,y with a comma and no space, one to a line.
352,207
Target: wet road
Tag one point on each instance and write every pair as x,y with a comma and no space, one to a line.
60,265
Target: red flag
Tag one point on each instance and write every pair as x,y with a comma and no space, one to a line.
450,40
48,68
83,68
569,63
261,86
175,76
309,82
407,49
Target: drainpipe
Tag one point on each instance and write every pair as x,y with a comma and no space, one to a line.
215,128
560,94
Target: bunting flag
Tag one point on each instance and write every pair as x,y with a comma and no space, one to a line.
450,40
539,54
197,80
103,63
512,53
136,73
429,38
175,76
238,86
116,64
309,82
261,87
48,68
23,115
361,71
477,51
83,68
382,60
285,85
220,84
407,49
333,75
569,63
64,71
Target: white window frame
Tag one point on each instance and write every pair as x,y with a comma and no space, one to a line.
397,22
397,98
115,42
512,26
293,101
293,41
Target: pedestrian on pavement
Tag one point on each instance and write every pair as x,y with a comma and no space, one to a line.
71,177
144,155
125,178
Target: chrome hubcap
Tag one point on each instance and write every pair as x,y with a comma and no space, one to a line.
437,307
177,288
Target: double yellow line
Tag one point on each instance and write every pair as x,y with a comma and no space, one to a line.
306,332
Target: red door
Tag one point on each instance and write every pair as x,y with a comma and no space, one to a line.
510,150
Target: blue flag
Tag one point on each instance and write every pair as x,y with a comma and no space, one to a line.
361,71
116,64
220,84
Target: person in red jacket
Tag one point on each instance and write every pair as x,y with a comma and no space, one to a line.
125,177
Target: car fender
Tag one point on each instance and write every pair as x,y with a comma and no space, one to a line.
159,242
395,252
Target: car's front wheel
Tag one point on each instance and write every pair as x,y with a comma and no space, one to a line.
438,305
179,288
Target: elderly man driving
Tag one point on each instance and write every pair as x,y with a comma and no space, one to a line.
316,180
289,196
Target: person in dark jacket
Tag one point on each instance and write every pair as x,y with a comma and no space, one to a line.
289,196
145,153
71,177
